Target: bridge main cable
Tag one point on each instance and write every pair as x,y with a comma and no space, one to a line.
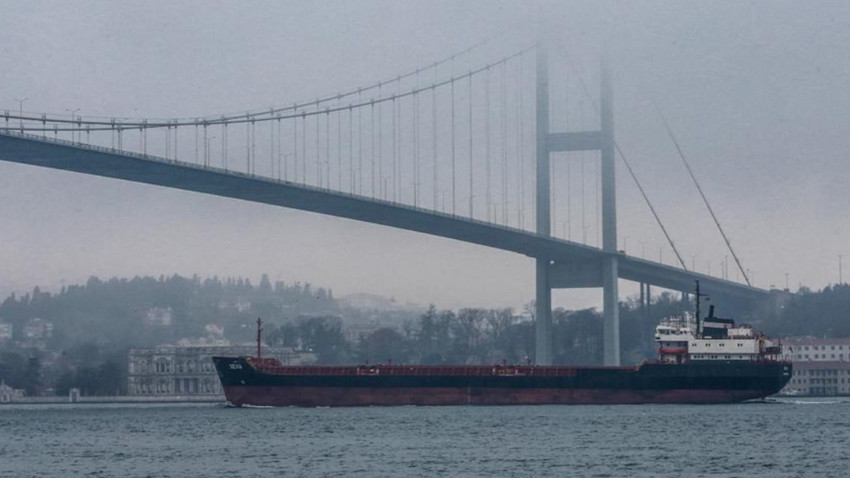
269,115
634,176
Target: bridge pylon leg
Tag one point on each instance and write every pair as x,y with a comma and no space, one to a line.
543,296
610,313
543,315
610,273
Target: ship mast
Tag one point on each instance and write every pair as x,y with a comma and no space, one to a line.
697,300
259,335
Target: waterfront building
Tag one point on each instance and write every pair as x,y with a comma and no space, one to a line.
175,370
821,366
9,394
38,329
357,332
5,331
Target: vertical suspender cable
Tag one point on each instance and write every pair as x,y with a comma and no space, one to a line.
400,162
395,189
271,147
596,192
553,201
350,150
397,128
504,145
294,149
569,193
454,183
279,148
416,148
327,149
247,147
581,173
519,150
382,190
487,142
253,148
359,183
303,148
338,115
206,147
318,149
434,140
471,183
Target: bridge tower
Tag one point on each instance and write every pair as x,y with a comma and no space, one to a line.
551,274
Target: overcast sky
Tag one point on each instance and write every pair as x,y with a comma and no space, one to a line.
756,91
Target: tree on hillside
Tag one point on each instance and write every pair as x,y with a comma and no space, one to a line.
382,346
324,337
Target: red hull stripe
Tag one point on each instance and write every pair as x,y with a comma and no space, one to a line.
348,397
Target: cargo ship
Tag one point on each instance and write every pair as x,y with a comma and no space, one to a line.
714,361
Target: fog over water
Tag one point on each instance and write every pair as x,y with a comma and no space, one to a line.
756,92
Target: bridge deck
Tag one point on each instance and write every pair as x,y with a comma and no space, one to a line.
64,155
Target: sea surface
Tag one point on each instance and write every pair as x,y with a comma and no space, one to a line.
800,437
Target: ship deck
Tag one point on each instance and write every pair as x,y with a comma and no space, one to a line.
274,367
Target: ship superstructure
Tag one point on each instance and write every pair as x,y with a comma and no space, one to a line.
683,339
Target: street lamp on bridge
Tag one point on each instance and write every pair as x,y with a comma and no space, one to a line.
21,110
73,117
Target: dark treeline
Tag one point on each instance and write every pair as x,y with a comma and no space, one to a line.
483,336
476,336
825,313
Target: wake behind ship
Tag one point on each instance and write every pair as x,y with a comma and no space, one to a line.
716,363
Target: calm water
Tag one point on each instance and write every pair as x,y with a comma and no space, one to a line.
786,438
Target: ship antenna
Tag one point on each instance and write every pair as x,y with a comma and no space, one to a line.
696,302
259,336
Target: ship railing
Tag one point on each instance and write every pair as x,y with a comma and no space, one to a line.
273,366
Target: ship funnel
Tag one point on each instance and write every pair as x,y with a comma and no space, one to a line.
711,311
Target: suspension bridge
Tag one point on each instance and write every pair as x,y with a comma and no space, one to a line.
464,148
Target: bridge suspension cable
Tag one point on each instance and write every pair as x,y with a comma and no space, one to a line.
104,125
701,193
632,172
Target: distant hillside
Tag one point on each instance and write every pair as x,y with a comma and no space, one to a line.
147,311
365,301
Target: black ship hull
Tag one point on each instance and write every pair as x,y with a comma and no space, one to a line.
694,382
